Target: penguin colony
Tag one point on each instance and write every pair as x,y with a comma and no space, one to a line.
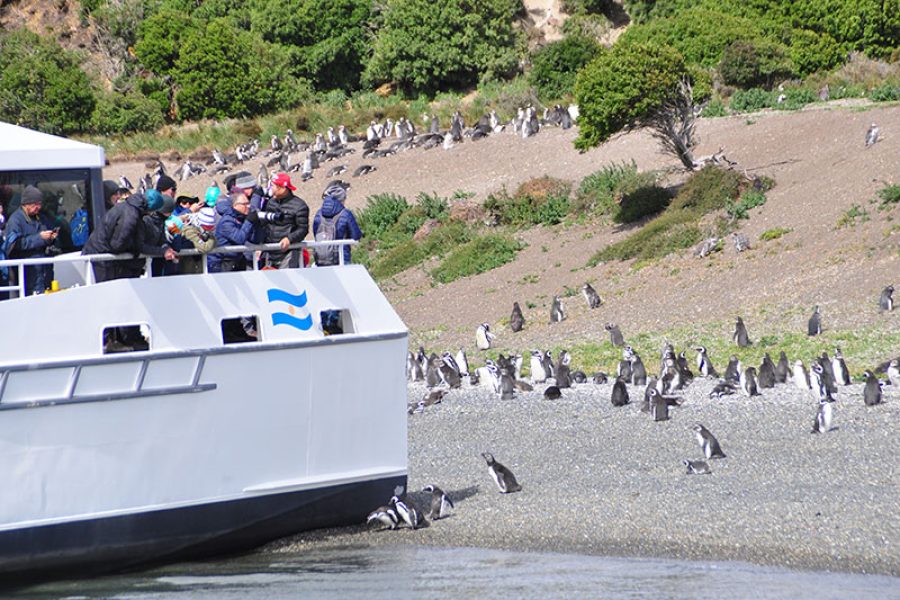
287,154
503,375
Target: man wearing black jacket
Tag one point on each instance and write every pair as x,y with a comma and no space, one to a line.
122,231
289,222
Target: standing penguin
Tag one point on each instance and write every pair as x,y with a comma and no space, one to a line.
615,335
733,370
462,363
708,442
413,368
516,319
638,372
483,337
557,312
801,376
872,390
619,393
814,325
659,406
886,301
821,387
563,377
893,372
766,377
591,296
704,364
433,372
740,336
748,382
538,374
841,372
440,502
503,477
822,423
782,368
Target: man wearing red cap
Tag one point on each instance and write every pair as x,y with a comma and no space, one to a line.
289,225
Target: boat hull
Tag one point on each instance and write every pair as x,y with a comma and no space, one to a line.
89,547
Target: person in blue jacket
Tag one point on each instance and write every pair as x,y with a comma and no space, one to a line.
29,236
233,229
334,222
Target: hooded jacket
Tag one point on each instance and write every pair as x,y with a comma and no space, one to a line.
345,228
233,229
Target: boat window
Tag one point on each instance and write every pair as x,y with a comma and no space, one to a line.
336,321
126,338
240,330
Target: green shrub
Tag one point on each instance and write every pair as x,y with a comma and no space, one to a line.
409,253
434,206
708,189
553,67
886,92
850,217
478,256
752,100
715,108
126,112
380,213
796,98
591,26
160,38
597,192
889,194
640,197
541,201
774,233
754,63
750,199
812,51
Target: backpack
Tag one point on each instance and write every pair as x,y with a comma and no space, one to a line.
79,225
326,257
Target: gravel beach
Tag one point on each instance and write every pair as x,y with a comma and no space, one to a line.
609,481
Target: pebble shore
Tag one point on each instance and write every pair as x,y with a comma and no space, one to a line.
610,481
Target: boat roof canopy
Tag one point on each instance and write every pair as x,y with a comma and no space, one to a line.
23,149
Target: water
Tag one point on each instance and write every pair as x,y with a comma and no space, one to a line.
424,572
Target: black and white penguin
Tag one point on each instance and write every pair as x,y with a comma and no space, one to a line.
503,477
591,296
817,374
814,325
536,365
733,370
413,368
828,373
638,371
822,424
801,376
386,515
748,381
684,369
557,311
562,374
841,372
893,372
723,388
549,367
872,389
651,385
704,364
552,393
579,377
516,319
740,336
440,502
462,363
363,170
766,377
782,369
407,511
623,369
599,378
708,442
433,372
659,405
615,335
872,135
886,301
507,384
448,360
483,337
449,375
697,467
619,395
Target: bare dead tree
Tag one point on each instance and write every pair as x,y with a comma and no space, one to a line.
673,124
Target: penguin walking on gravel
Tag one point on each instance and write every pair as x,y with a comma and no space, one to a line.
440,502
503,477
819,376
814,325
483,337
872,389
801,376
740,335
462,363
708,442
748,382
704,364
538,374
782,369
841,372
591,296
516,319
557,311
766,376
659,405
615,335
824,414
638,371
407,511
886,301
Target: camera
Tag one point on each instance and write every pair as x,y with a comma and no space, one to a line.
266,216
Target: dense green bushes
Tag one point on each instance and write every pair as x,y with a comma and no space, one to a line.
555,65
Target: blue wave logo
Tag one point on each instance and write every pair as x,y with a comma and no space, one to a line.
294,301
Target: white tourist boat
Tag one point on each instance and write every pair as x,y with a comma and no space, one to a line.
199,444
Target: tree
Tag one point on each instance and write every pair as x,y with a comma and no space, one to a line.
42,86
427,46
160,38
637,85
555,65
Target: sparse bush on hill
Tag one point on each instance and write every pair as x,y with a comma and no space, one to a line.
774,233
640,198
477,256
889,194
541,201
380,213
886,92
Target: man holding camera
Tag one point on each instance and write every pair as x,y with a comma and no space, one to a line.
285,222
29,236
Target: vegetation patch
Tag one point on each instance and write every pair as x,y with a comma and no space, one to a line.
541,201
854,214
889,195
477,256
774,233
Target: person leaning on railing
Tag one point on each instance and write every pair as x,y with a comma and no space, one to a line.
29,236
285,222
196,231
233,229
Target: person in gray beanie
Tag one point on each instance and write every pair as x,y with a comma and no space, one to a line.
28,235
334,222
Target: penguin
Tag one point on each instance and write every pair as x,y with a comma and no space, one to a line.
363,170
413,368
708,442
462,363
449,375
591,296
697,467
385,515
893,372
623,369
740,336
748,382
433,373
579,377
659,405
733,370
406,511
516,319
619,395
801,376
841,373
704,364
782,368
440,502
766,377
684,370
722,388
886,301
872,135
828,373
503,477
638,372
615,335
814,325
563,376
483,337
651,385
434,397
549,367
600,378
552,393
822,424
507,384
557,312
448,360
872,389
821,387
538,374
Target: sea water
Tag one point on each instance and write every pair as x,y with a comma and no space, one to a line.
394,572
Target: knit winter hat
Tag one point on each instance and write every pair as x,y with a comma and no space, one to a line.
154,200
165,183
31,195
207,217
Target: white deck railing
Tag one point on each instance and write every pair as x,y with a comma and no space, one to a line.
88,259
